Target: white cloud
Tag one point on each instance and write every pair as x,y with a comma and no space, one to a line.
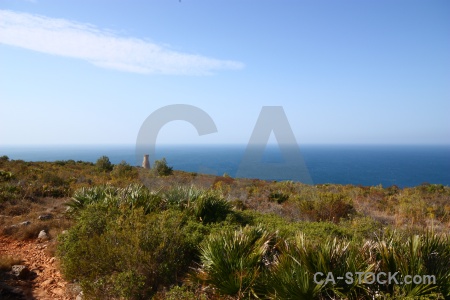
101,47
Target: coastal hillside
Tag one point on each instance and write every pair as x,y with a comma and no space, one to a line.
80,230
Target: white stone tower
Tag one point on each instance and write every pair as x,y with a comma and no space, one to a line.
145,162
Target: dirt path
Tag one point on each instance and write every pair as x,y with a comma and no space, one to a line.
46,281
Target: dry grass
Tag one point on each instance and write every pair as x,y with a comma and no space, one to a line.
25,210
6,262
53,227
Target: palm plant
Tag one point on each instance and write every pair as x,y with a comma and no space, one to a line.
138,196
436,258
417,255
182,196
338,257
210,207
233,261
132,196
288,277
85,196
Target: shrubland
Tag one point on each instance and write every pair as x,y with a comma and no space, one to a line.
138,234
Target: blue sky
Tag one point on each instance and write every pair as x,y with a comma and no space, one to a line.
345,72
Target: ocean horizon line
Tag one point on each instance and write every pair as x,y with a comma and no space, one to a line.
368,165
213,145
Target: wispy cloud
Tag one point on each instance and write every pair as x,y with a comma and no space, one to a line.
102,47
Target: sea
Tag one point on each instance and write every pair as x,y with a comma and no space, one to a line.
367,165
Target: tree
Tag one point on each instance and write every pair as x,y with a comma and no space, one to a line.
103,164
161,168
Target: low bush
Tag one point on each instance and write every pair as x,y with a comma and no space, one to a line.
103,164
5,176
319,231
116,252
278,197
52,179
9,192
123,171
181,293
327,207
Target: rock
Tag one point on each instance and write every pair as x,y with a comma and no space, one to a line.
48,282
45,217
24,223
80,296
43,236
20,271
58,291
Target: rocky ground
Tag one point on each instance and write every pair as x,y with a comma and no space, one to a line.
42,280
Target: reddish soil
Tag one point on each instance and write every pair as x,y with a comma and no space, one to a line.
45,281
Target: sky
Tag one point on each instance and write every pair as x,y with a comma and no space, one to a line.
344,72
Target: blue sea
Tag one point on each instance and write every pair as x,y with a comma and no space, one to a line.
366,165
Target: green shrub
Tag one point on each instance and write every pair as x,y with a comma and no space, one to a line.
361,228
161,168
5,176
126,253
319,231
327,207
53,191
412,208
48,184
103,164
52,179
278,197
181,293
4,158
9,191
60,162
123,170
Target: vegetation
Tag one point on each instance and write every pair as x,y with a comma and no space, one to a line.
161,168
6,262
165,234
127,253
104,165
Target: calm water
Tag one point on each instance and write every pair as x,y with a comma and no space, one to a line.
365,165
